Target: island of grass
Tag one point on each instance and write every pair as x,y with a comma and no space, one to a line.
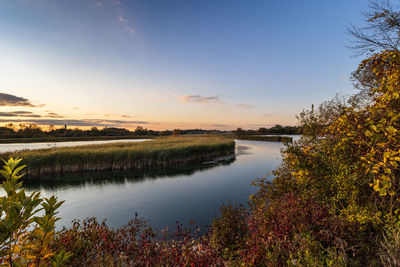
163,152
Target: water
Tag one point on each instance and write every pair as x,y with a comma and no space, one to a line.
22,146
162,196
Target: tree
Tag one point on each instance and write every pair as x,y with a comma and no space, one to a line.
176,132
382,31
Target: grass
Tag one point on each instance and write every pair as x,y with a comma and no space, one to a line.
162,152
272,138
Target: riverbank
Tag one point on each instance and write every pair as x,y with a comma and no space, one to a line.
163,152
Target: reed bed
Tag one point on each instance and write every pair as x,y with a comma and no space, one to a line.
274,138
161,152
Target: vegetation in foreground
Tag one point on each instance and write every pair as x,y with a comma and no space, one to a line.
157,153
334,200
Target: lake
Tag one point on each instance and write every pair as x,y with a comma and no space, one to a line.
162,196
30,146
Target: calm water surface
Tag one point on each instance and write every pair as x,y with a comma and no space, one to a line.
162,196
22,146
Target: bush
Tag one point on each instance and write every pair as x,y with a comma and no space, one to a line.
229,230
135,244
25,238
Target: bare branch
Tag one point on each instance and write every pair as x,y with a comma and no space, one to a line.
382,31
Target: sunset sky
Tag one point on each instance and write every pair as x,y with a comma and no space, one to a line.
211,64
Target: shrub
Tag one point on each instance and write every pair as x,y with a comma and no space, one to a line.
135,244
228,231
389,252
25,237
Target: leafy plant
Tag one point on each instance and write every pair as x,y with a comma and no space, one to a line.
25,236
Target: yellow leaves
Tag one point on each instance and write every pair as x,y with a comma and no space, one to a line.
376,185
30,235
388,171
391,130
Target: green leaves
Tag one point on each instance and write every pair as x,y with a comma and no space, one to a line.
25,239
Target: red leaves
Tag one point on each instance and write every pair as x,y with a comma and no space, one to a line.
135,244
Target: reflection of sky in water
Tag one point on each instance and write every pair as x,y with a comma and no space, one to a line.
168,196
22,146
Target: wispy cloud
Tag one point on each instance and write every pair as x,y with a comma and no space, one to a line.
199,99
244,106
121,19
130,29
19,114
53,115
121,14
12,100
81,123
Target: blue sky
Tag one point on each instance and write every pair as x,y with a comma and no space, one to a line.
174,64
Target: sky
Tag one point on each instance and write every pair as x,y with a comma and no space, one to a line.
210,64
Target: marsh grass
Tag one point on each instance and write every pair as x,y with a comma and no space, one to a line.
161,152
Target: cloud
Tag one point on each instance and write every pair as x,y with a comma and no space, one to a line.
54,115
12,100
99,4
19,114
130,29
121,19
84,122
200,99
244,106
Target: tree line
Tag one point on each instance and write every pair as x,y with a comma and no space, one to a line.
34,131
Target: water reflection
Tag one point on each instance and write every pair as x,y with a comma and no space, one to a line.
163,196
47,145
105,178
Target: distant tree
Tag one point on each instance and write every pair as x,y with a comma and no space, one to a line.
239,131
139,130
262,130
176,132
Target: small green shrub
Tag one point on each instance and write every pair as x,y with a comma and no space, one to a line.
25,237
